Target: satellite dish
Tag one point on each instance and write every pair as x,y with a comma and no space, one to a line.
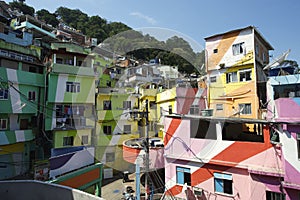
239,111
278,60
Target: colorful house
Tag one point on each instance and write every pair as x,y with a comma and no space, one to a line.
21,97
115,125
283,108
70,99
234,65
223,158
180,100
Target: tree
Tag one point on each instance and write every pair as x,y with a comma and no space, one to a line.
26,10
47,17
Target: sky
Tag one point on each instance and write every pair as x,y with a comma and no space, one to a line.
277,20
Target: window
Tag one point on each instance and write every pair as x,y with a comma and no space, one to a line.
3,124
194,110
215,50
245,75
77,110
203,129
68,141
231,77
107,105
298,144
152,104
274,196
110,157
24,123
264,57
223,183
31,95
257,50
245,108
3,94
213,79
127,128
183,175
84,139
73,87
238,49
170,110
107,130
152,126
219,106
126,105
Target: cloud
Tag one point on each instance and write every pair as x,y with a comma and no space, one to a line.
145,17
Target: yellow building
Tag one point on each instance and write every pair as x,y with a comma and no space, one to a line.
150,95
115,125
234,65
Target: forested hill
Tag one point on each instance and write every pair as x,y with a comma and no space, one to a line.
120,38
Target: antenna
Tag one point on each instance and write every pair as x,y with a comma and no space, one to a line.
277,60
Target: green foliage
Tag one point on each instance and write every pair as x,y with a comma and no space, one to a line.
118,37
26,10
93,26
47,17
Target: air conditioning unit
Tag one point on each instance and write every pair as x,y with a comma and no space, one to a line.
198,191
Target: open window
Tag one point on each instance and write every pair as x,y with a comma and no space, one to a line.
250,132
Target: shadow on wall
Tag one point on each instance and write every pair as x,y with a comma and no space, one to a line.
36,190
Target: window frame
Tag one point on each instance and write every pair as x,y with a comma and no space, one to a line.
238,48
185,173
219,106
107,107
2,122
107,130
84,139
170,109
72,87
213,79
126,105
194,110
4,93
230,78
31,95
243,112
245,72
271,195
68,140
124,129
221,181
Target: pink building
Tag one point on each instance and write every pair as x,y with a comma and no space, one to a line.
221,158
284,109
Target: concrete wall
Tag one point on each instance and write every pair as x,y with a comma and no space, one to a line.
36,190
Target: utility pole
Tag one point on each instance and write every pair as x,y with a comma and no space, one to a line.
147,150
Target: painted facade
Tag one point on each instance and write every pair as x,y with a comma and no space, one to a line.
115,125
218,158
283,106
70,113
234,62
180,100
21,94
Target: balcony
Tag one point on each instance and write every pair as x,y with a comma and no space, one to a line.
148,92
133,150
12,137
70,69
